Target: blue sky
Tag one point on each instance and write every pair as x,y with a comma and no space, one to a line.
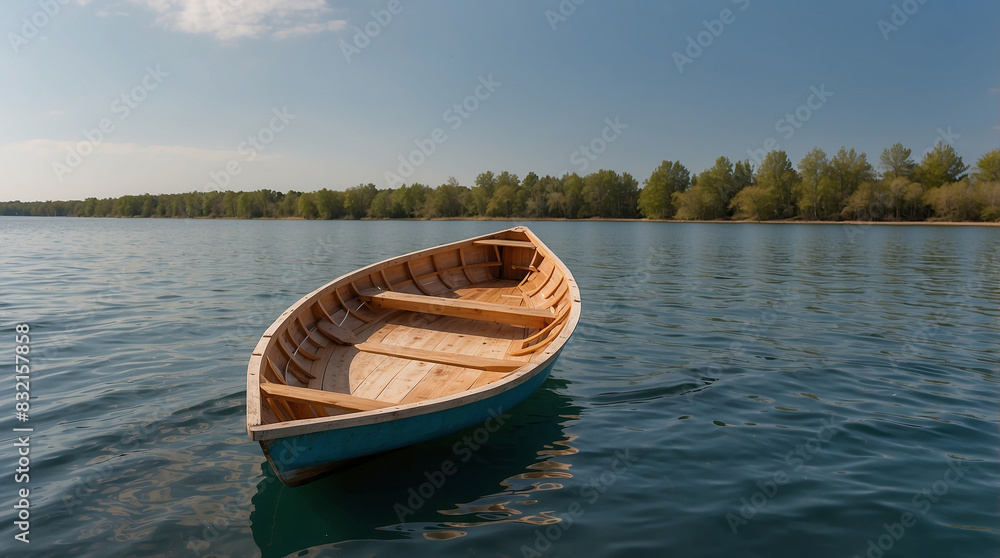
248,94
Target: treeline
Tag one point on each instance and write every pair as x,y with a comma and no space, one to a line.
843,187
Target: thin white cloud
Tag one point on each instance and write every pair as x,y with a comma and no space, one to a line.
112,10
234,19
310,29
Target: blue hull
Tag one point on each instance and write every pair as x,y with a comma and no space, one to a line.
299,459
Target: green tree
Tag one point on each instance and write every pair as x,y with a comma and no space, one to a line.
358,200
896,162
307,206
848,169
448,199
505,197
208,204
955,201
382,207
535,196
105,207
626,197
503,202
870,202
689,204
754,203
905,198
248,206
556,199
988,198
743,175
89,208
656,197
941,165
482,192
289,206
410,201
988,167
148,205
610,195
572,191
330,204
815,187
777,176
193,202
710,195
126,206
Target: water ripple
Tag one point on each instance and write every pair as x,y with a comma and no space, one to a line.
732,389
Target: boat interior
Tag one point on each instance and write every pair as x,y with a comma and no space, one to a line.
416,328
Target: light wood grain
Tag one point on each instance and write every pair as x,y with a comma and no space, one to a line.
459,308
336,333
320,397
466,361
504,242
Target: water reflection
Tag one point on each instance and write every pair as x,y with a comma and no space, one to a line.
437,490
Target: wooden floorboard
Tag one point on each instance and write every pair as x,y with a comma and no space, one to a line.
448,331
343,369
403,374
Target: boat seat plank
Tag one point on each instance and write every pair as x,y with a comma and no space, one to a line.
503,242
320,397
439,357
460,308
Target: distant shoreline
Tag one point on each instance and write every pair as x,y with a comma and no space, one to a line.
558,219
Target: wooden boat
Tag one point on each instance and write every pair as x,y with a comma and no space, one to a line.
408,349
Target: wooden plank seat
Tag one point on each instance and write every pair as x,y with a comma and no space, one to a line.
459,308
502,242
439,357
320,397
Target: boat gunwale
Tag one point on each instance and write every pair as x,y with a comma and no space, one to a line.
264,432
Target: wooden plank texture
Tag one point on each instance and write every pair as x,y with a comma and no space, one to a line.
502,242
319,397
459,308
465,361
336,333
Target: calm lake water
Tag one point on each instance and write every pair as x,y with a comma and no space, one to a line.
732,390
